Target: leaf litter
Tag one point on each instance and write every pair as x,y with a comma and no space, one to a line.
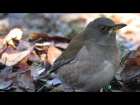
23,61
128,76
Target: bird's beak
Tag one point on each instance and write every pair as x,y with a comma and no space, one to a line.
119,26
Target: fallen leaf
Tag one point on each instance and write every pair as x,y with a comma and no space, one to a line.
22,62
137,60
32,57
11,75
43,57
5,84
53,54
14,58
4,74
62,45
130,75
23,45
10,88
14,86
10,50
15,33
56,81
39,71
33,69
25,81
46,38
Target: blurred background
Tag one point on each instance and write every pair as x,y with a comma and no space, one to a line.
69,24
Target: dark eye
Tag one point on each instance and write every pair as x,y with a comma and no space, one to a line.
103,28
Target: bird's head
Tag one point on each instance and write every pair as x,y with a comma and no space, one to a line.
103,30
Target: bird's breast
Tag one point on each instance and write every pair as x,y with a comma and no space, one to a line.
90,71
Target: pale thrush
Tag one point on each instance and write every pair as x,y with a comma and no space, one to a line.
92,57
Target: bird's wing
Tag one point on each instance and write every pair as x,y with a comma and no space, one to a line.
70,53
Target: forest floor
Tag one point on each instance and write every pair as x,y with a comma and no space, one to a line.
45,36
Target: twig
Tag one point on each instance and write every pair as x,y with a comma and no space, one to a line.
4,50
41,88
36,40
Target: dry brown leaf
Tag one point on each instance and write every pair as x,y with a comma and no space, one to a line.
130,72
43,57
130,75
46,38
137,60
130,62
23,62
14,58
53,54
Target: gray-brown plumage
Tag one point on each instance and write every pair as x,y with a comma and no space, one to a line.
92,57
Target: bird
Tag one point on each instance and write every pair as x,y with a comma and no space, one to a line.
92,58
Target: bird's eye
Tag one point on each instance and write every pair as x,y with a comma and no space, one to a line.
103,28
